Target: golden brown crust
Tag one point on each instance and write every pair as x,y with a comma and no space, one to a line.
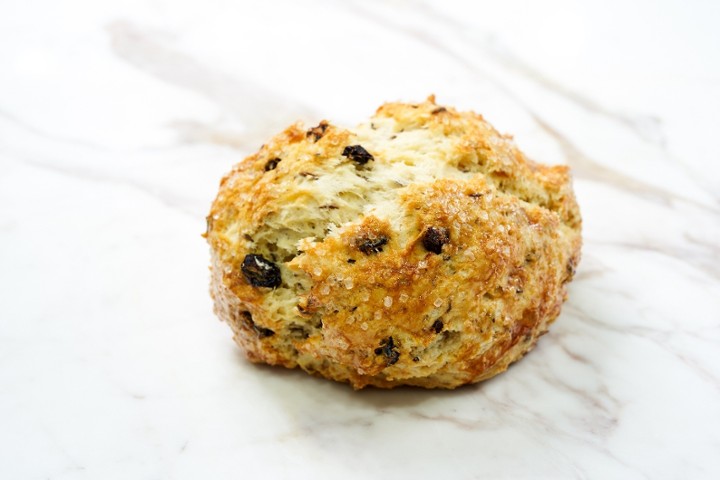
434,255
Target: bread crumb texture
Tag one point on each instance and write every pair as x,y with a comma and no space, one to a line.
421,248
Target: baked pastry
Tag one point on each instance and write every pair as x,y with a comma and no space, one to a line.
421,248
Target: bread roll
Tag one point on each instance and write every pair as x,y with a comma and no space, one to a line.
420,248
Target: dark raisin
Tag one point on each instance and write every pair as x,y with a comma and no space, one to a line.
389,350
434,238
416,359
438,325
262,332
351,260
357,154
372,245
271,164
260,272
439,110
316,133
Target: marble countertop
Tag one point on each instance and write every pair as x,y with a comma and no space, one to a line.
117,120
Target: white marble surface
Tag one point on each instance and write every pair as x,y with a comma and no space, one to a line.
117,120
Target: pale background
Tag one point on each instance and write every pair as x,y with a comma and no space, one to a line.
117,120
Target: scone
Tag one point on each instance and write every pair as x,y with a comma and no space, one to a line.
420,248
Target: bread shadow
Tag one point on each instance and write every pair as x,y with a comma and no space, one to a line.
298,387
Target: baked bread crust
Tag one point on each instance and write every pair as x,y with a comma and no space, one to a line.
421,248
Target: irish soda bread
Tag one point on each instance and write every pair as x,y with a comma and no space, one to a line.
420,248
